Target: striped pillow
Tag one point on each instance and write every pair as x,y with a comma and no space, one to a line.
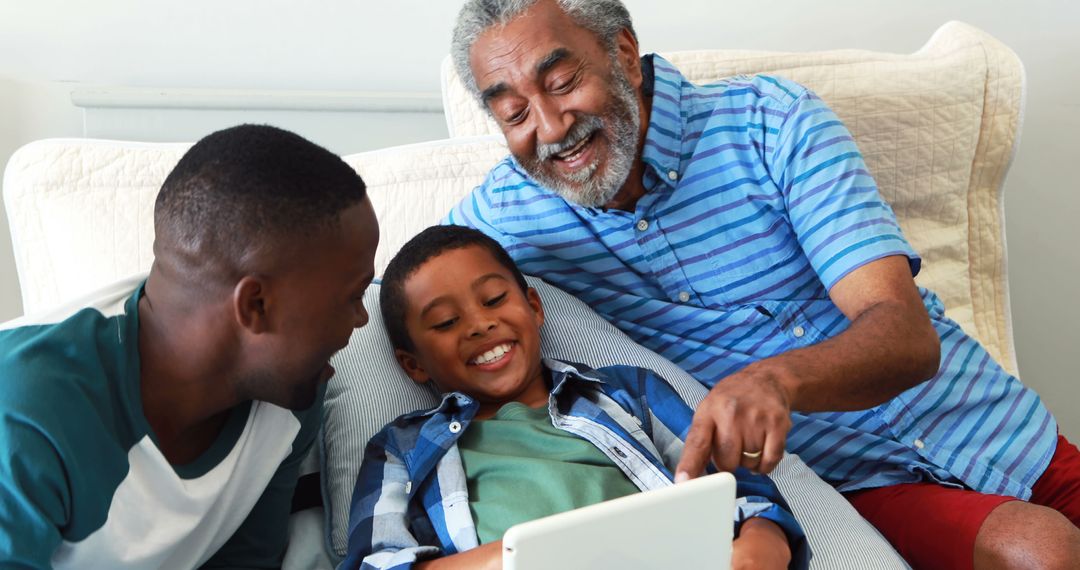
369,390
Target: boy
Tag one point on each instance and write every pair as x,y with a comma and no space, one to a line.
438,489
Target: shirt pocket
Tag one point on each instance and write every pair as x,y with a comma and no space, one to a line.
758,257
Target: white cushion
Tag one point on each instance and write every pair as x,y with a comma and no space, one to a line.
412,187
937,128
81,211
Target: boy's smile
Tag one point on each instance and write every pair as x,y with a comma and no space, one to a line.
474,330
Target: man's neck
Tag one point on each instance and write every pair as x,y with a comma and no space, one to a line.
184,398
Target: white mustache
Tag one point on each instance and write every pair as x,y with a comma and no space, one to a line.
583,128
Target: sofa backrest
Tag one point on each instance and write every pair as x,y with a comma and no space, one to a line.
938,129
81,211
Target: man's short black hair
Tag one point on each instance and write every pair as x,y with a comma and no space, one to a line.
427,244
247,188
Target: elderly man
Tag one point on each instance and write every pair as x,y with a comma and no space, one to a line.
735,229
161,423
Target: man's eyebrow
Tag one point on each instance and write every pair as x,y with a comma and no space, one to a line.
492,92
551,60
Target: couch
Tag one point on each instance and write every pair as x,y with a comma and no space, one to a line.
937,127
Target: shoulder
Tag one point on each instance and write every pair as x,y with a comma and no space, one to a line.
73,374
762,89
623,376
630,385
633,382
503,182
63,415
55,374
758,103
407,432
506,190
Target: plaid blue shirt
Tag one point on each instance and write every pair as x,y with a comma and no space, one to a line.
411,500
757,203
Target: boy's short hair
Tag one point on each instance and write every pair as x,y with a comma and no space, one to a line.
427,244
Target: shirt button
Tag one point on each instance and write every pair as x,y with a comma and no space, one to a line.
455,427
919,443
408,487
684,296
672,175
642,225
798,332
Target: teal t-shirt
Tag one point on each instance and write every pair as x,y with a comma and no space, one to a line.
519,467
82,482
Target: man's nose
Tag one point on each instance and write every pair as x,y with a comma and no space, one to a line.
361,318
552,122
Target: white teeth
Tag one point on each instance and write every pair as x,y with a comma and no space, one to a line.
573,151
492,355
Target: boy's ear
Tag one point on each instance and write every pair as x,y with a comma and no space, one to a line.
537,306
411,365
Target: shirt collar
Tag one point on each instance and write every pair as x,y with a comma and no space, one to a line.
663,139
564,375
449,401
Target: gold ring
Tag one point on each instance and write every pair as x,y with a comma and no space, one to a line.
752,455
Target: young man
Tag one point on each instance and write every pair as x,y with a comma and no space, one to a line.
461,316
735,229
161,423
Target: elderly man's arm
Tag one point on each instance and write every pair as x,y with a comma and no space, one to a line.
851,240
889,347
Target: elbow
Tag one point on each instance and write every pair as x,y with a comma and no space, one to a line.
925,354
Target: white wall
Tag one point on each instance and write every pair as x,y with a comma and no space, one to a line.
396,46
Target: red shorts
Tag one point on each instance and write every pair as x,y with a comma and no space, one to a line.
933,526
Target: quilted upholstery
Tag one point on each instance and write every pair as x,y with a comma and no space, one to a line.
81,211
937,128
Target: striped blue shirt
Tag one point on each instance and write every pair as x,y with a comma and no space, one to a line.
411,500
757,202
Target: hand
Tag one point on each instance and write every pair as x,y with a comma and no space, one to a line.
744,420
484,557
761,544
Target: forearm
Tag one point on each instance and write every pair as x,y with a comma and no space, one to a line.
484,557
887,349
761,544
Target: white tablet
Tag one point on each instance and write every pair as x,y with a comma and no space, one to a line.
689,525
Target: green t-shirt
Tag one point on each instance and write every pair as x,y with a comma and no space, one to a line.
519,467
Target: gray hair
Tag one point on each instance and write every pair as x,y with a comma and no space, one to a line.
604,18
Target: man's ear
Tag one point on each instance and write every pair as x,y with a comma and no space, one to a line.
537,306
629,57
251,304
411,365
